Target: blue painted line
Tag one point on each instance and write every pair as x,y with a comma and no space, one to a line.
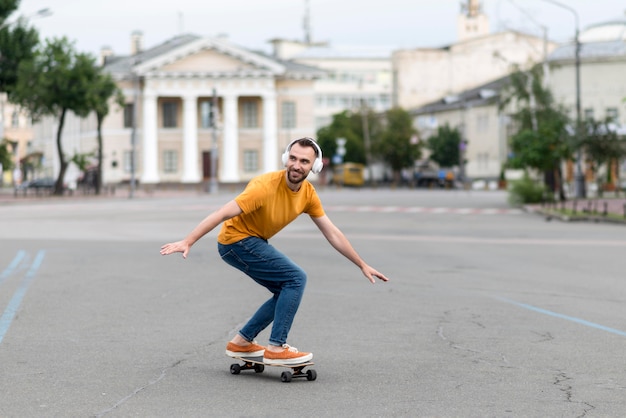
9,313
11,268
566,317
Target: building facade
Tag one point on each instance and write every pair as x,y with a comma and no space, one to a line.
175,89
486,127
353,76
483,126
15,127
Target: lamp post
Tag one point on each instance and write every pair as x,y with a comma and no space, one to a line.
579,177
133,132
39,13
213,183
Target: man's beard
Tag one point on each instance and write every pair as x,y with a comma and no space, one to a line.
296,180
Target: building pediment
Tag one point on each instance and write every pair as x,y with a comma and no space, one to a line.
206,57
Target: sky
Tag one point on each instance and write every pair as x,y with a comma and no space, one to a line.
398,24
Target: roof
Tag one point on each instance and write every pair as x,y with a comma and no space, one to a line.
476,96
346,52
602,40
148,59
606,49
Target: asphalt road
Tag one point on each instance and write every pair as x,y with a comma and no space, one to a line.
490,312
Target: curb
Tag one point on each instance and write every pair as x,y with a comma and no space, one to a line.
549,215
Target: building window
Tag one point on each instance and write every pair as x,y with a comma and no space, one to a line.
250,161
127,161
289,115
588,113
612,114
482,123
170,114
205,113
128,115
170,161
15,119
250,114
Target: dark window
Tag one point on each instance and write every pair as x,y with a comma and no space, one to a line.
170,114
128,115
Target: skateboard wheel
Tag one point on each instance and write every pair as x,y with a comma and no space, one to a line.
311,375
258,368
235,369
285,377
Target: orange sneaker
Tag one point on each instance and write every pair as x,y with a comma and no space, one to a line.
252,350
290,355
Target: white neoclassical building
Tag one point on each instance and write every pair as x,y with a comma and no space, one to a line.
262,104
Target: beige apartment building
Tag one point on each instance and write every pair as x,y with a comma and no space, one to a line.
423,75
262,104
15,126
476,113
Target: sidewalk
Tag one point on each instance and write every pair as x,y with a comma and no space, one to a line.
8,195
611,210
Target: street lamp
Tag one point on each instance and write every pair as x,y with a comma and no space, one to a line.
579,178
39,13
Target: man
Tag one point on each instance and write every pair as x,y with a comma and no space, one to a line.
267,205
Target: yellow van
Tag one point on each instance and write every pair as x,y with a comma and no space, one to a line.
349,174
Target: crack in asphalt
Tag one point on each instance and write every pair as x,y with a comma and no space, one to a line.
563,382
456,346
138,390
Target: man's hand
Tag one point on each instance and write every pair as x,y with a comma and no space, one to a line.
372,274
176,247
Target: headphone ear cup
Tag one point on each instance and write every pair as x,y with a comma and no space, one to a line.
285,157
317,166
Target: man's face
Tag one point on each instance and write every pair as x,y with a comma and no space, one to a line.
300,163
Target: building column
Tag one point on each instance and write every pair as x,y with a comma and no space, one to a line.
270,132
230,168
191,172
150,151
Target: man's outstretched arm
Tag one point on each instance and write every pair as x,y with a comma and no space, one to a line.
229,210
339,242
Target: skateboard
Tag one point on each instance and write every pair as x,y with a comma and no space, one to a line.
256,364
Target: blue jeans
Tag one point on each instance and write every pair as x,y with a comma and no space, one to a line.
282,277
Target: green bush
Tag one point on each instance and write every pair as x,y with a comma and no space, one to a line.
526,191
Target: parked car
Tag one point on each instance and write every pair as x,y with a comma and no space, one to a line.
38,185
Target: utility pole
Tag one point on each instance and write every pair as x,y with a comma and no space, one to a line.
366,140
579,176
213,184
133,134
307,23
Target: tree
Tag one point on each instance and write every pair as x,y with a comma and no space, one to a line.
445,146
55,81
5,156
542,141
348,125
102,90
603,146
395,146
17,44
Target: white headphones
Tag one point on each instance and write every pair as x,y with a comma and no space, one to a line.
317,164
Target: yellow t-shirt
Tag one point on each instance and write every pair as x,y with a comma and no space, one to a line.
269,205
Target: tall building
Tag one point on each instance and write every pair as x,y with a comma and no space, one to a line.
423,75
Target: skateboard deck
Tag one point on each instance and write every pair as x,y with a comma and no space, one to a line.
256,364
